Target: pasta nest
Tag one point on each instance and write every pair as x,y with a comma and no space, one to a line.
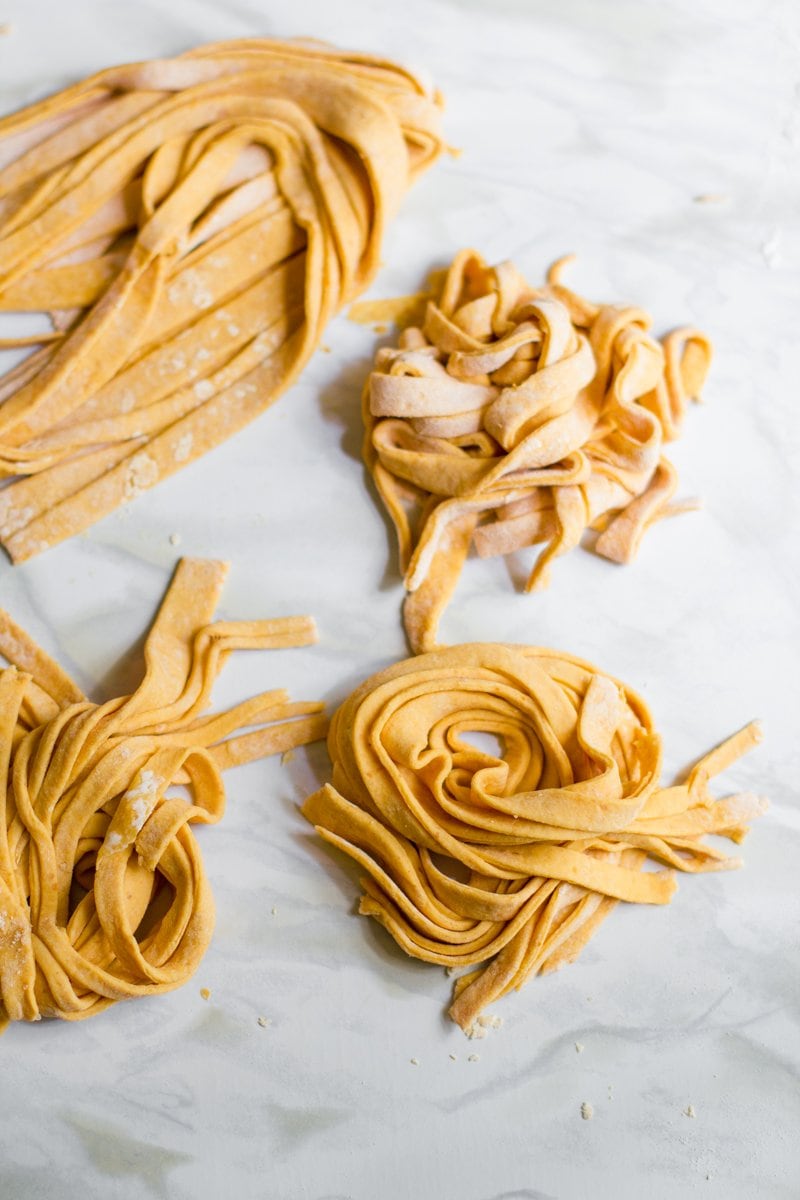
189,225
103,893
512,416
517,854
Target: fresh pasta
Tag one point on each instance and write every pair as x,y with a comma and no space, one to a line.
507,860
103,893
513,416
189,225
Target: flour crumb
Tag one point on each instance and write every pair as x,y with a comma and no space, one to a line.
205,993
414,1062
264,1022
579,1047
183,446
274,911
287,757
5,29
452,1057
587,1112
141,799
174,539
473,1058
711,198
191,287
203,389
325,349
689,1111
488,1022
141,474
475,1031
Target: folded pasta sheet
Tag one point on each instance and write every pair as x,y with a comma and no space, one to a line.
513,415
506,857
189,225
103,894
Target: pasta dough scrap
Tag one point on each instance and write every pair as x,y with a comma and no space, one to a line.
103,893
515,416
508,860
189,225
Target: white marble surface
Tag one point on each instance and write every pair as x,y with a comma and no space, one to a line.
587,127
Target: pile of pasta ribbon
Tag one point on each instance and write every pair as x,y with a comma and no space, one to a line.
189,225
516,415
507,861
103,895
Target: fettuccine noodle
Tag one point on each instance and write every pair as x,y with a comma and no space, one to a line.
103,893
508,861
518,415
190,225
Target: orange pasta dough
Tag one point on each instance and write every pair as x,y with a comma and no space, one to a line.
189,225
514,416
103,894
508,860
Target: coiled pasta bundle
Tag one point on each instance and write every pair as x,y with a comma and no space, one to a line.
190,225
103,893
516,415
508,860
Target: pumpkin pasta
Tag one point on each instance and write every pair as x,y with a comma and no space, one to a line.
189,225
513,416
103,893
508,860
